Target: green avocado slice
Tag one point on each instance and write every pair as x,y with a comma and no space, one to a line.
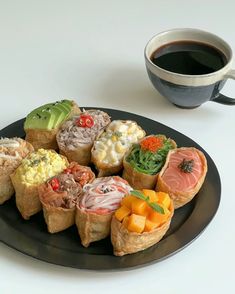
61,115
48,116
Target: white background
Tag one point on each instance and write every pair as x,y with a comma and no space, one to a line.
92,51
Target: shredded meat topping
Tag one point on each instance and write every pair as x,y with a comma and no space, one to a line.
67,194
71,135
66,188
12,151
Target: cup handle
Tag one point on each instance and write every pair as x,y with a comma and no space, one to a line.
222,98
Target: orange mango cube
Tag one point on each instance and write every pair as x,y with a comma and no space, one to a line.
164,199
127,200
151,194
149,225
136,223
139,206
122,212
159,218
125,221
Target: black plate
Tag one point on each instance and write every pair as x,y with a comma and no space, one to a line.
64,248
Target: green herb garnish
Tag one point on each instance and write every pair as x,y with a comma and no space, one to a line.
118,134
186,166
153,205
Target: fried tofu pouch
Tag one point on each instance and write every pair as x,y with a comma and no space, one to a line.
42,124
96,206
34,170
76,136
60,194
183,174
12,151
145,159
110,147
134,229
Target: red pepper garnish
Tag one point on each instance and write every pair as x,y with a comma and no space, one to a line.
85,121
152,143
55,184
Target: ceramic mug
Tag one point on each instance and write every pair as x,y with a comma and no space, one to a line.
185,90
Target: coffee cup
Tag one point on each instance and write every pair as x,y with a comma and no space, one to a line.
189,66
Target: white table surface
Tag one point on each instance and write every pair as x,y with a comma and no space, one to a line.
92,51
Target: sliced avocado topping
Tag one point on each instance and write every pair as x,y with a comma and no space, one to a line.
48,116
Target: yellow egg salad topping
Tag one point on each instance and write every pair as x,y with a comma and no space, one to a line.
39,166
116,140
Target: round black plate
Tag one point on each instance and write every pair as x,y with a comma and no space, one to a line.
64,248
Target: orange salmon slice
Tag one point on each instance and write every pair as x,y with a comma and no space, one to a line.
177,179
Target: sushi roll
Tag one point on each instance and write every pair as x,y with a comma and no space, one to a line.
59,196
110,147
96,206
145,159
12,151
76,136
35,169
141,221
183,174
42,124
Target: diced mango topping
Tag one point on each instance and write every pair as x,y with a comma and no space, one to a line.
159,218
149,226
140,215
125,221
164,199
127,200
151,194
139,206
122,212
136,223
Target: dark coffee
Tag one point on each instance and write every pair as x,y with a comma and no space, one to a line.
189,57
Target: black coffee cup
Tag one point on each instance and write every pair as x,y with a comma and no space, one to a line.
189,66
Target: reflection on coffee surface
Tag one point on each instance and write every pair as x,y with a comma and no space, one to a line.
189,57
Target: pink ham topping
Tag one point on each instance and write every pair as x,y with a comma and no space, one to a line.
177,178
104,195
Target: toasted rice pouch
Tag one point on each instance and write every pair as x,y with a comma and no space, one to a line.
91,226
81,154
181,198
6,188
27,197
105,170
58,218
125,242
27,200
42,138
46,139
137,179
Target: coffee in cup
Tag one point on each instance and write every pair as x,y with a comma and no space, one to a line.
189,66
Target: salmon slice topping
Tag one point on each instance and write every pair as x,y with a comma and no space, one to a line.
184,169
